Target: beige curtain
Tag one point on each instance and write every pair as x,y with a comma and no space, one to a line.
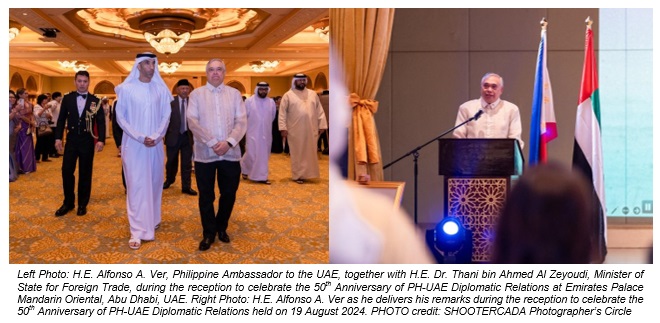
361,36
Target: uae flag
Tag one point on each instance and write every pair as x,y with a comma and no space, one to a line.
587,150
543,128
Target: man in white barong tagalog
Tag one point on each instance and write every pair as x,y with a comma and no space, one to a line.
260,111
216,117
301,121
143,113
500,119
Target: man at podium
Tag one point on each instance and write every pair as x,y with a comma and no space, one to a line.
500,118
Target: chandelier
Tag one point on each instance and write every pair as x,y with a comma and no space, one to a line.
80,67
167,30
167,41
262,66
74,65
169,68
14,29
323,32
322,28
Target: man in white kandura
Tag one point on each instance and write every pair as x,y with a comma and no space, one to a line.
301,121
260,115
143,113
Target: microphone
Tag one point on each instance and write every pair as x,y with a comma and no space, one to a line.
477,115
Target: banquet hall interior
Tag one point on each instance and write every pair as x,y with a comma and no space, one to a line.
280,223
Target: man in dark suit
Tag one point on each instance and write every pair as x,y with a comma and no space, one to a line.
80,110
179,139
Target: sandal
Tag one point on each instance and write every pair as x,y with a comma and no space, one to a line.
134,243
299,181
157,226
244,176
267,182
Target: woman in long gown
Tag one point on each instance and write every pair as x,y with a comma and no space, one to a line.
24,152
13,172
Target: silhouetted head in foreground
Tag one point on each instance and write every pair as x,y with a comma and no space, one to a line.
546,219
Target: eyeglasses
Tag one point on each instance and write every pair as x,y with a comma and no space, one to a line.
12,97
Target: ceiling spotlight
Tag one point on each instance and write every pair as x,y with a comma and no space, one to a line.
49,32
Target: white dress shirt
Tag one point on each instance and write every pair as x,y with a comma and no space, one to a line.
214,115
501,119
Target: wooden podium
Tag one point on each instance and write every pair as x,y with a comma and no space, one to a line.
478,174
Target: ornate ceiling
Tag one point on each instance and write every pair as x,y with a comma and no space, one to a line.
108,39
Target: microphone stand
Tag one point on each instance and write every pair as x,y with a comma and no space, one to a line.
415,153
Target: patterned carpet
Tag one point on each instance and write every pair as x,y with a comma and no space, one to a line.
281,223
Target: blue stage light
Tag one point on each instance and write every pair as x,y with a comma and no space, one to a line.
450,228
449,235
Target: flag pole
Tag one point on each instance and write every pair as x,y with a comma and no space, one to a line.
587,149
543,127
544,24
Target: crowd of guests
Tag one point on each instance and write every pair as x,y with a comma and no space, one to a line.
32,125
29,119
204,125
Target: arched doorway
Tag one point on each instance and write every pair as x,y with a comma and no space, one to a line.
321,83
31,86
310,85
237,85
104,88
16,82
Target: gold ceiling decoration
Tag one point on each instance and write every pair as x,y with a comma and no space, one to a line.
106,40
168,30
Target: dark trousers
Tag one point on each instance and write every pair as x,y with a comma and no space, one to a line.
228,177
323,143
44,143
77,147
277,147
51,150
123,178
183,145
117,134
